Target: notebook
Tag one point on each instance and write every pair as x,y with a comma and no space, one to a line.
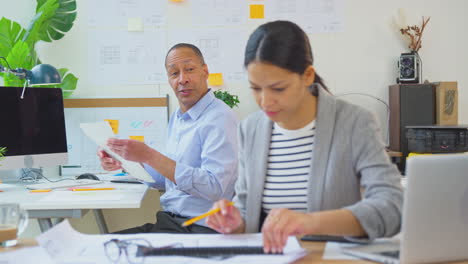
435,214
100,132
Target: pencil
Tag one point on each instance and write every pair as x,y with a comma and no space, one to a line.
197,218
40,191
93,189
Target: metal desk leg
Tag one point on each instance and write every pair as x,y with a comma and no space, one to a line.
44,224
101,222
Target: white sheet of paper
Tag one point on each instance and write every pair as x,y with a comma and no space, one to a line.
100,132
62,242
36,255
124,58
313,16
115,14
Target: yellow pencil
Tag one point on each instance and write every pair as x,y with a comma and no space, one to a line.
40,191
197,218
92,189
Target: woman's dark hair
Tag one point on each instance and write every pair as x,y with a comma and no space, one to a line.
283,44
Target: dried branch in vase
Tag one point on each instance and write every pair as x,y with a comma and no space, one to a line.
415,34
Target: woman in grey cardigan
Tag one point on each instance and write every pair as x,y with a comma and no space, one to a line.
309,163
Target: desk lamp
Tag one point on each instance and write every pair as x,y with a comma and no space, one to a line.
41,74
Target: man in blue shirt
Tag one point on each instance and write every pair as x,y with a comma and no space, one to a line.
199,166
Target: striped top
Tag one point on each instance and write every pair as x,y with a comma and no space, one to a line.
288,168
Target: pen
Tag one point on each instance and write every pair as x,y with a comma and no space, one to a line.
195,219
93,189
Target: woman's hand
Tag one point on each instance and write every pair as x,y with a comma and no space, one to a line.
227,220
282,223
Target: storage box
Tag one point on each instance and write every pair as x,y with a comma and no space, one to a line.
437,139
446,103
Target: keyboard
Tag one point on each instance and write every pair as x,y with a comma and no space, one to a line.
62,184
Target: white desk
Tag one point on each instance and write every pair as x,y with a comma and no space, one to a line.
130,196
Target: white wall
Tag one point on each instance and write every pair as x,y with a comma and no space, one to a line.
360,59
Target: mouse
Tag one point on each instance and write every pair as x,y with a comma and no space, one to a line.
87,176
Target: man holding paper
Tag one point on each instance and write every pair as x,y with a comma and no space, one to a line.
199,166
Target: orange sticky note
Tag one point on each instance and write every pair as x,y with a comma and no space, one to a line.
215,79
257,11
114,125
139,138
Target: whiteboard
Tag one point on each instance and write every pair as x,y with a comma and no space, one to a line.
143,118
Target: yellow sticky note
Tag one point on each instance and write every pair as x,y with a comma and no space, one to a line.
176,1
114,125
215,79
135,24
139,138
257,11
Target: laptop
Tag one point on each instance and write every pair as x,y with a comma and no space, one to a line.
435,214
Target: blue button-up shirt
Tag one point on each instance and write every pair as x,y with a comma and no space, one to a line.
203,142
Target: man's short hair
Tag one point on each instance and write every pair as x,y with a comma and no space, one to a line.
187,45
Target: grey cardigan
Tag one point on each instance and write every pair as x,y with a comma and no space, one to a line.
348,154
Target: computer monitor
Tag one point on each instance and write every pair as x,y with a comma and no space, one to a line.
33,128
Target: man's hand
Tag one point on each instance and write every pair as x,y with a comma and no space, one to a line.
227,220
132,150
107,162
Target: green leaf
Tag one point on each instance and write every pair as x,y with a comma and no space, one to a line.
226,97
54,18
10,33
19,57
2,152
69,82
68,85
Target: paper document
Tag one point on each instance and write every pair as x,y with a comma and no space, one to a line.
100,132
64,244
36,255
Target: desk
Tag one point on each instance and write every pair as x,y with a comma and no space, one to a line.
131,197
314,253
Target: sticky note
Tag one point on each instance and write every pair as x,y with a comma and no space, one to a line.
176,1
215,79
139,138
257,11
114,125
135,24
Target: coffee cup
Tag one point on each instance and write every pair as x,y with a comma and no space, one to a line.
13,221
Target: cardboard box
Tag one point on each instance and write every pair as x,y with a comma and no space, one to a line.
446,103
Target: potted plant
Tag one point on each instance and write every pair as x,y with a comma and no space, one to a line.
229,99
17,45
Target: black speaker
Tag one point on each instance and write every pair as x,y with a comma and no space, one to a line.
410,105
409,68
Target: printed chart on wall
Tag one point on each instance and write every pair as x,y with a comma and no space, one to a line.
143,119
